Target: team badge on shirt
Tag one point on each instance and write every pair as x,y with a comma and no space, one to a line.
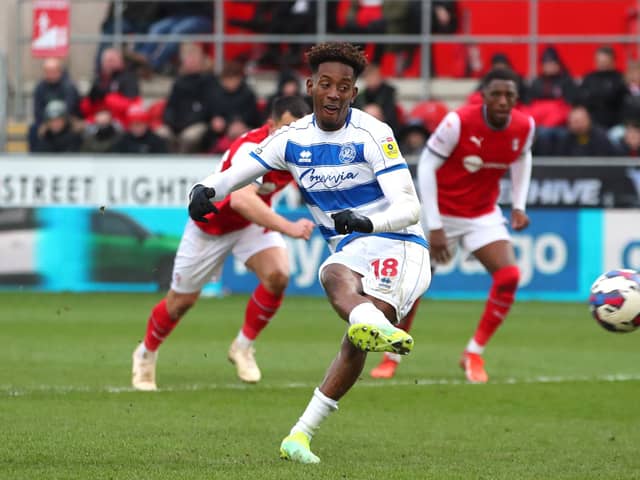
390,148
515,144
347,153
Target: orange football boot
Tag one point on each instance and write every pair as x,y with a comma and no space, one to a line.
473,366
386,368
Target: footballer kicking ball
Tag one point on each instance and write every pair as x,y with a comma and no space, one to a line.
615,300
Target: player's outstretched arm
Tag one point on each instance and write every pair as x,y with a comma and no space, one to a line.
217,186
236,176
248,203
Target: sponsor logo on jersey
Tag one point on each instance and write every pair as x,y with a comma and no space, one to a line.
258,151
390,148
473,163
477,141
327,180
305,156
347,153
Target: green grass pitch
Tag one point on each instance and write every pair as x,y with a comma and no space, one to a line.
563,402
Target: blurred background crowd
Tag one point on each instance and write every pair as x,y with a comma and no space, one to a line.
597,114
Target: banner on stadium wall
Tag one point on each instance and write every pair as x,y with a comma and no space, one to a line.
114,222
621,229
112,181
114,249
559,255
580,186
132,249
50,33
584,185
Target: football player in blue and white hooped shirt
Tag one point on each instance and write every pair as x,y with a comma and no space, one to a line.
360,193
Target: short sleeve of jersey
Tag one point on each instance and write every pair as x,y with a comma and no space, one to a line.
446,137
271,151
383,153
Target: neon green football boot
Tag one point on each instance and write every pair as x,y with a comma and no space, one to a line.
295,447
373,338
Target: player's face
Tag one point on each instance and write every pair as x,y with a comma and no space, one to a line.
500,97
332,88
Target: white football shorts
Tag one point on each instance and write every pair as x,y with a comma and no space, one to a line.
473,233
394,271
200,256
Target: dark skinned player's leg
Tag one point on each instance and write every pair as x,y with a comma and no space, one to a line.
499,259
344,291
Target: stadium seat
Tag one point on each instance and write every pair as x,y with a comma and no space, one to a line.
431,112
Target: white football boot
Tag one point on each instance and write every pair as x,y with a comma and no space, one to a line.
245,362
143,372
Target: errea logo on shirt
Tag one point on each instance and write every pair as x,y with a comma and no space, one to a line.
390,148
305,156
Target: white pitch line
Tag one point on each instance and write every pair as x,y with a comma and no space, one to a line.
17,391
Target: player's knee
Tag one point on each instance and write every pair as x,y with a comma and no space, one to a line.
506,279
276,281
179,304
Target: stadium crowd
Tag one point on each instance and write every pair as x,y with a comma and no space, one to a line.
597,115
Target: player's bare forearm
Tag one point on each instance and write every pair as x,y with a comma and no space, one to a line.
519,220
248,203
438,246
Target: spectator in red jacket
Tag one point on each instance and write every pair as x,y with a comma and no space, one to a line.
114,89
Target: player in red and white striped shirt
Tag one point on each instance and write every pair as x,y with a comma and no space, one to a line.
245,226
459,175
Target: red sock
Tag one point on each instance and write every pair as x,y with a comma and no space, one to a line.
501,296
261,307
406,322
159,326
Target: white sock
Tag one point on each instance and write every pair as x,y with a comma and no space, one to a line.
318,409
474,347
368,313
243,341
142,350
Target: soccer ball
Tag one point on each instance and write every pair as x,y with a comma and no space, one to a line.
615,300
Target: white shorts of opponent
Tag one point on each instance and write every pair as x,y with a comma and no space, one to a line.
394,271
470,234
200,256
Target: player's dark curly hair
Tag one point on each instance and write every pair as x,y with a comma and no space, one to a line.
346,53
500,74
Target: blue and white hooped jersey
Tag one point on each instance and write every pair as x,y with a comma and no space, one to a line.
338,170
